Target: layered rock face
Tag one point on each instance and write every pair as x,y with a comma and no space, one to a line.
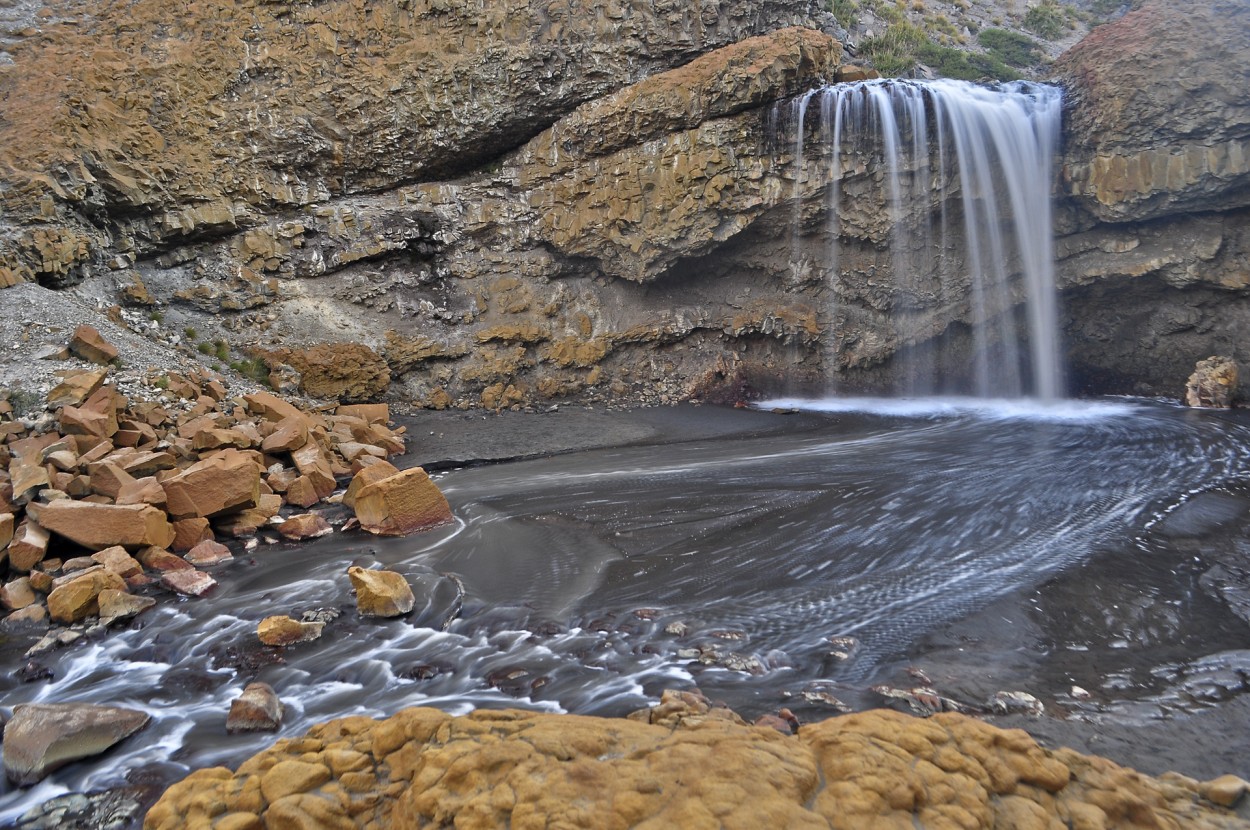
697,768
1156,258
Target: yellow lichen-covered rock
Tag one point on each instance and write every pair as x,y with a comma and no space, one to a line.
688,769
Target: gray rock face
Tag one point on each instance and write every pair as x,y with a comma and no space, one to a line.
42,737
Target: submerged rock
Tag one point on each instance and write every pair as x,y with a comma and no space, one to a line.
423,767
42,737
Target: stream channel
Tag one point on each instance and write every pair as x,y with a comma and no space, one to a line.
982,546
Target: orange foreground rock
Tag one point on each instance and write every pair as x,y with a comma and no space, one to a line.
879,769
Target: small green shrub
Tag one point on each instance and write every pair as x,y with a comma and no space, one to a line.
965,66
190,333
252,368
204,347
893,52
1046,19
222,350
1012,48
846,12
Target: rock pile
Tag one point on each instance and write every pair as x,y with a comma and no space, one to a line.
103,496
682,764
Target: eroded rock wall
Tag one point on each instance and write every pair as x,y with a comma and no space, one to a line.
1154,256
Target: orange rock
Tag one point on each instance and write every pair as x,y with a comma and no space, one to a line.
146,490
159,559
302,493
257,709
290,434
208,553
7,524
312,463
17,594
225,482
375,472
271,407
108,479
99,526
76,388
77,599
116,605
374,413
28,547
88,344
381,593
304,526
118,561
190,532
401,504
28,478
285,631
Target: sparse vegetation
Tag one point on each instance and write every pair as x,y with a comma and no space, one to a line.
846,11
253,368
222,350
894,51
902,45
1012,48
1046,19
190,333
156,316
204,347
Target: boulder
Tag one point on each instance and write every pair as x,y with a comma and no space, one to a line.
401,504
117,560
190,532
159,559
108,479
7,523
876,769
100,526
29,546
75,388
374,472
226,482
285,631
312,463
257,709
1213,383
381,593
17,594
304,526
90,345
42,737
28,478
272,408
208,553
78,598
146,490
301,492
290,434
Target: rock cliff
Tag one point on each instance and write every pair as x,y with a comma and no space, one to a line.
1156,259
457,206
693,768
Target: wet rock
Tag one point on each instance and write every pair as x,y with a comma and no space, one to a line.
119,605
88,344
78,598
1016,703
32,616
100,526
189,582
381,593
190,532
868,769
43,737
1213,383
107,810
285,631
304,526
208,553
1226,791
225,482
401,504
17,594
257,709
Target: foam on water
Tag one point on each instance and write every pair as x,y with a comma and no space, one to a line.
1028,409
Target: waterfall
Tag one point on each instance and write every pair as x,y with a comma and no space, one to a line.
941,149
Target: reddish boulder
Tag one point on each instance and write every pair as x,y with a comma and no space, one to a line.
100,526
225,482
90,345
401,504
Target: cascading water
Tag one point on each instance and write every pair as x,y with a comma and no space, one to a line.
977,163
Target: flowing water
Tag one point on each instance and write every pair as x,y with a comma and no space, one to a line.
935,143
589,582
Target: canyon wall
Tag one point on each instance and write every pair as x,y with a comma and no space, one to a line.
453,205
